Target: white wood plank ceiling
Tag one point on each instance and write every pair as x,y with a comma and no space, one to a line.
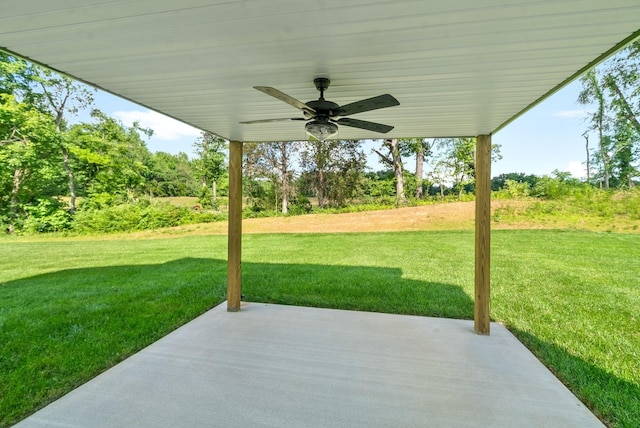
458,67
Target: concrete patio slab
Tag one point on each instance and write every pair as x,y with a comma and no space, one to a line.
285,366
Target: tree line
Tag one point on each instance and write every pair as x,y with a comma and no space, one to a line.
56,172
613,90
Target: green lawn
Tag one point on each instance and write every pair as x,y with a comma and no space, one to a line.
70,308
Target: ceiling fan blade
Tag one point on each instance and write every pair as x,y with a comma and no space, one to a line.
286,98
282,119
381,101
363,124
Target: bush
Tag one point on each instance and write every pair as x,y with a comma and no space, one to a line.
46,215
300,205
142,215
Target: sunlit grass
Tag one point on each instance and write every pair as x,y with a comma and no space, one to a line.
70,308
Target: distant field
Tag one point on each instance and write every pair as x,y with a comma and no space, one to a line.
71,307
507,214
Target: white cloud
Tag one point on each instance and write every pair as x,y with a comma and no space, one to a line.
164,128
577,169
571,114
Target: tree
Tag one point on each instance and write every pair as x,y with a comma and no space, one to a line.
15,78
500,181
272,162
455,164
624,135
27,139
421,148
614,87
110,158
62,95
393,160
334,169
592,92
440,175
171,175
210,164
460,156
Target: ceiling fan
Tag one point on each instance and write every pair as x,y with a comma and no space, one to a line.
323,116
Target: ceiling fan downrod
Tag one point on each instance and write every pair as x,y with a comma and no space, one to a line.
322,84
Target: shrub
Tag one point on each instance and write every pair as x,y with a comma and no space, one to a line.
142,215
46,215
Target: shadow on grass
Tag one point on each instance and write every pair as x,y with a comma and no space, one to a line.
60,329
615,401
361,288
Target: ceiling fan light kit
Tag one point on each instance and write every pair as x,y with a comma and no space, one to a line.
323,116
321,131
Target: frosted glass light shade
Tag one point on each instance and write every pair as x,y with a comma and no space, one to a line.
321,131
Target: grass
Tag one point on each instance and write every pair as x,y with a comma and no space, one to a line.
589,209
73,307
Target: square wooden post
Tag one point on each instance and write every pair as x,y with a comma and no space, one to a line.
234,243
481,313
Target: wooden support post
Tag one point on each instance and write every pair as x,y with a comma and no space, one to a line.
234,243
481,313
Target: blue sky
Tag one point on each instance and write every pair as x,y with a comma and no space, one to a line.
546,138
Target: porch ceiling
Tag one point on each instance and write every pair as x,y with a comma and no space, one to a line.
458,67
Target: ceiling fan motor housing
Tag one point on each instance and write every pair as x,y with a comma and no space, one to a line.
323,107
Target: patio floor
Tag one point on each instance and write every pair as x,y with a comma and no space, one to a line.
285,366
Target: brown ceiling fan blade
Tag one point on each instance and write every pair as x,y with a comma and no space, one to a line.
381,101
363,124
283,119
286,98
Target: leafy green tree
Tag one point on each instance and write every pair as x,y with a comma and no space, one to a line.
27,168
171,175
111,158
334,169
60,96
454,164
623,167
592,92
460,157
15,78
381,185
421,148
500,181
270,170
560,184
440,175
210,165
391,156
614,88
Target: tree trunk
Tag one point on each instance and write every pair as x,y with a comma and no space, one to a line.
284,171
65,154
586,139
72,184
320,185
285,191
419,171
397,170
605,164
214,194
17,180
